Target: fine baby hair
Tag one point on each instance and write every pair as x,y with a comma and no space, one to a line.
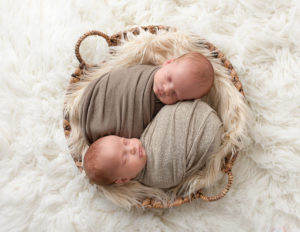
98,174
202,63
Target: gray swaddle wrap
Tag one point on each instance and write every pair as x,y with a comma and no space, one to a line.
121,102
178,141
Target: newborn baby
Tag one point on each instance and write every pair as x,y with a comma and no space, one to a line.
187,77
125,100
174,145
114,159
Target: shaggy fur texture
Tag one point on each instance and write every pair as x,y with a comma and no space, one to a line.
40,187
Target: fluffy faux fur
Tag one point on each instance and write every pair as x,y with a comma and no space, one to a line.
41,189
230,105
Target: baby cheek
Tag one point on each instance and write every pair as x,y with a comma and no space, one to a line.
175,100
157,80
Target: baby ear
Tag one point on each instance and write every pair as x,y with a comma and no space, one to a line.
122,181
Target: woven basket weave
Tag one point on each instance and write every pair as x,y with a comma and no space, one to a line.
114,40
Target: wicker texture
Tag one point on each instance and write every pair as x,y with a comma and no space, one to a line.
114,40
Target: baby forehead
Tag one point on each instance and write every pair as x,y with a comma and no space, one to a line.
193,66
110,150
187,74
111,139
192,73
105,149
111,144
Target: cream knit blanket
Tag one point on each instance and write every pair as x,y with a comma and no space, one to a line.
178,141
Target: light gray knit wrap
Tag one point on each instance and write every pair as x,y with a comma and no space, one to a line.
178,141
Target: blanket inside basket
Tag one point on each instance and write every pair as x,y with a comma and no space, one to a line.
120,102
178,142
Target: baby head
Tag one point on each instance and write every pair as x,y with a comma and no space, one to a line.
187,77
113,159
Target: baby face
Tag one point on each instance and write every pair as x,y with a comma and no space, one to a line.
126,156
176,81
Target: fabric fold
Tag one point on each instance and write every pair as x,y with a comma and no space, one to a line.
120,102
178,142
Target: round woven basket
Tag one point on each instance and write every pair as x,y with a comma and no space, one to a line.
114,40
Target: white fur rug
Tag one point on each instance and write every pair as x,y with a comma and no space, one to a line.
40,187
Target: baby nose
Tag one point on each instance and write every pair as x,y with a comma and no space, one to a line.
132,150
167,89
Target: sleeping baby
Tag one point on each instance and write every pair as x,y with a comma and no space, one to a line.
124,101
174,145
